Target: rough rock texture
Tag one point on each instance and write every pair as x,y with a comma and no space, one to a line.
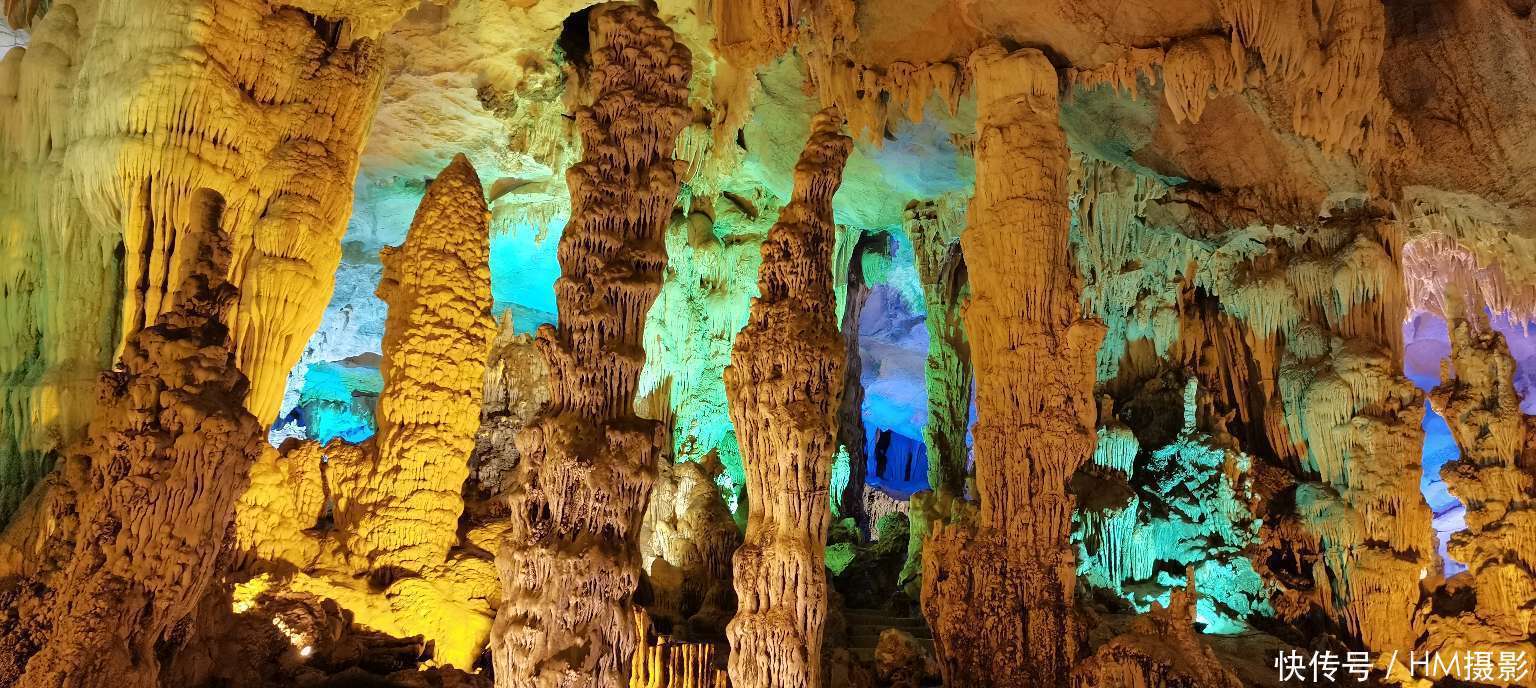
997,591
785,384
391,505
1354,423
686,543
265,104
935,228
569,562
139,510
1160,650
516,387
402,506
1496,479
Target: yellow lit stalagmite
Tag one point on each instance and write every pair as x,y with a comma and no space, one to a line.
397,497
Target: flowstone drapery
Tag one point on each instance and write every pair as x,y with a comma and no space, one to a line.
570,559
785,383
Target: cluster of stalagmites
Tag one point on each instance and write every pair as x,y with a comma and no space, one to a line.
1288,485
1496,479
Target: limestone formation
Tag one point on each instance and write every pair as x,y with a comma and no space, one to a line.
390,507
143,504
116,119
569,561
935,228
1496,479
785,384
997,590
1160,650
1239,294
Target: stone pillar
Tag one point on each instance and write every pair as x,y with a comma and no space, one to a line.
1354,421
785,383
570,560
144,503
935,231
998,584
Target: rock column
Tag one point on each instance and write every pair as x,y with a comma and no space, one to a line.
785,383
1496,479
152,490
998,586
570,561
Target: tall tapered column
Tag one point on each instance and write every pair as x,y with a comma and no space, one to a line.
997,590
405,502
935,231
934,227
785,383
570,560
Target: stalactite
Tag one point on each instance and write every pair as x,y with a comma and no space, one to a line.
1187,505
118,117
1354,420
569,562
711,254
998,591
1436,266
152,489
1330,54
785,384
395,501
1496,479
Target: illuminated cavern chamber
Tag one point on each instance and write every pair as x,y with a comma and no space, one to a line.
742,343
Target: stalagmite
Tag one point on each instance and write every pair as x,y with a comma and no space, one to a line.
152,489
403,504
1496,479
935,227
569,562
1160,650
849,501
998,590
394,501
785,384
